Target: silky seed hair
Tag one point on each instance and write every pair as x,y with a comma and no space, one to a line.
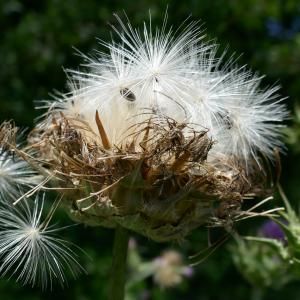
180,76
30,250
16,174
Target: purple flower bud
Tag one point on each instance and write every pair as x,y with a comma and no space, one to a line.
188,272
271,229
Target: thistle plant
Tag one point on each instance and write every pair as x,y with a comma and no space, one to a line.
156,135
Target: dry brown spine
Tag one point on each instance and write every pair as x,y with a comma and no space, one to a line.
103,135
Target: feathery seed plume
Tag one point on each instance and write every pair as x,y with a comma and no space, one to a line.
29,247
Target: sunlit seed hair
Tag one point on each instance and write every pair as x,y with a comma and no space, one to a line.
30,249
16,175
176,75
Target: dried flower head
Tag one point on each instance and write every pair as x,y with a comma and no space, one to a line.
159,135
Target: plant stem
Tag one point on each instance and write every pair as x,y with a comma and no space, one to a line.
118,269
257,294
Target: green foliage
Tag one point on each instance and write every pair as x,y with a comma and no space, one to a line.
268,262
261,264
293,132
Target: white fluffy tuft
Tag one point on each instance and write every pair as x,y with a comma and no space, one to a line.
15,175
30,249
179,75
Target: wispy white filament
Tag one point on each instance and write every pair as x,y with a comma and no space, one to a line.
30,249
176,75
15,175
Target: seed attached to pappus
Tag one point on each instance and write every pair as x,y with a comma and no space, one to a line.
127,94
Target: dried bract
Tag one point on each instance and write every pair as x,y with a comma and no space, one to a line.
160,184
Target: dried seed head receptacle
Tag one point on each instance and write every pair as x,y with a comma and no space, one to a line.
158,182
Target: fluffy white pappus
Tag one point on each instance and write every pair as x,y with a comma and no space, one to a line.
252,124
176,74
16,175
143,73
30,249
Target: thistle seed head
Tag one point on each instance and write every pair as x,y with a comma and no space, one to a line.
159,135
160,184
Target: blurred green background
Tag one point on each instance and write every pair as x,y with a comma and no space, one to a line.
36,44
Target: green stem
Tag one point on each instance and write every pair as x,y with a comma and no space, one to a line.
118,269
257,294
